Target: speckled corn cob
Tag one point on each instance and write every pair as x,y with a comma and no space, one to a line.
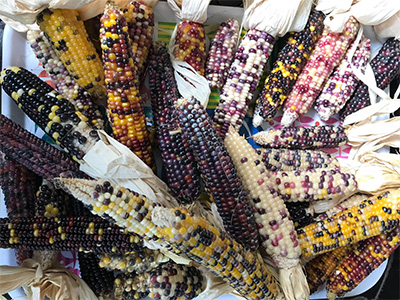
125,110
328,53
287,68
372,217
313,137
300,213
63,81
221,53
218,172
320,268
292,160
386,67
243,77
130,286
68,36
343,82
50,111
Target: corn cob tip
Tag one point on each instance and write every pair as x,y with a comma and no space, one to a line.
288,118
330,295
294,284
325,113
257,120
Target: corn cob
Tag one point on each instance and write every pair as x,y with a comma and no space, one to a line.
293,160
342,83
218,172
276,230
221,53
320,268
386,66
124,101
372,217
367,256
66,31
328,53
139,16
287,68
63,81
130,286
66,234
243,77
50,111
300,212
314,137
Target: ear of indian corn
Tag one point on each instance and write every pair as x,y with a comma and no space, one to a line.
243,77
328,53
124,106
66,31
276,229
367,256
301,213
386,67
130,286
342,83
292,160
285,70
313,137
221,53
218,172
372,217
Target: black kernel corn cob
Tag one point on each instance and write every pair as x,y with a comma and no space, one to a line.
367,256
124,105
50,111
372,217
243,77
386,66
313,137
287,68
300,213
221,53
218,172
64,82
295,159
66,234
66,31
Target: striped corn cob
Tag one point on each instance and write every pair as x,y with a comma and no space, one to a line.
342,83
63,81
50,111
66,234
300,213
313,137
328,53
287,68
221,53
125,110
243,77
68,36
130,286
218,172
372,217
320,268
386,66
276,230
293,160
367,256
139,16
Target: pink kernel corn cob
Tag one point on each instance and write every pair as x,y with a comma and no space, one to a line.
343,82
221,53
243,78
327,54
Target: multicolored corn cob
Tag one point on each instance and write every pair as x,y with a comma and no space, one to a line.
139,16
50,111
367,256
287,68
372,217
221,53
218,172
130,286
328,52
300,213
313,137
66,31
124,106
386,67
320,268
243,77
293,160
